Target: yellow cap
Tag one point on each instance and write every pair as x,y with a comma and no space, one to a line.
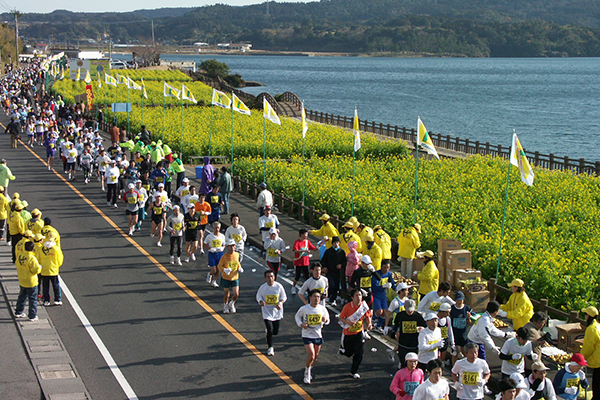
349,225
36,212
376,228
37,237
591,311
16,195
429,254
1,188
18,205
28,234
354,221
51,235
417,227
369,238
517,283
325,217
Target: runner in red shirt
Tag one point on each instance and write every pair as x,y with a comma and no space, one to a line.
301,248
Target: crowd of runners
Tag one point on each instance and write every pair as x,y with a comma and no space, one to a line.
433,328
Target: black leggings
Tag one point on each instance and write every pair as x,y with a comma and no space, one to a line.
272,330
111,193
176,240
354,347
301,270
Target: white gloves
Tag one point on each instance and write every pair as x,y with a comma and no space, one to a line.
227,270
399,258
496,350
571,390
458,386
454,351
386,285
534,356
481,383
502,313
386,330
511,335
241,269
439,344
371,268
516,356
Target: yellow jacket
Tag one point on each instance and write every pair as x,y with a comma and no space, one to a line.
4,201
384,241
519,309
375,253
49,228
326,230
34,225
366,231
591,345
348,237
51,258
429,278
28,269
15,223
408,243
20,246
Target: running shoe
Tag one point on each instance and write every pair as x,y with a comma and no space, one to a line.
333,304
159,244
46,304
58,303
193,257
225,308
108,203
115,206
366,335
270,351
306,377
179,261
187,259
215,284
232,307
294,290
172,261
20,315
103,189
201,251
34,319
209,278
355,376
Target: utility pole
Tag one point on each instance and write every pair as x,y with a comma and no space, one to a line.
17,15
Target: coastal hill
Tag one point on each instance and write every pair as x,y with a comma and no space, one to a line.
476,28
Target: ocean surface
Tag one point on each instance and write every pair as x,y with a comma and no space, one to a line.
552,103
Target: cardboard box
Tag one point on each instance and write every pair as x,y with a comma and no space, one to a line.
458,259
454,276
443,246
477,301
568,334
473,287
417,265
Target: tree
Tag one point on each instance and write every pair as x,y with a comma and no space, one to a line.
214,68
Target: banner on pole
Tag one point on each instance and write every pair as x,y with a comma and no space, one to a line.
90,96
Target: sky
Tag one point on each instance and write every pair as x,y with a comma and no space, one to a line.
45,6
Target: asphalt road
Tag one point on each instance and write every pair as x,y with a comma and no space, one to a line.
157,320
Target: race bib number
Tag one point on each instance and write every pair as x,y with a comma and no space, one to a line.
432,342
365,282
51,145
164,198
147,187
470,378
383,281
216,243
272,253
516,362
158,210
113,178
270,224
184,193
434,306
409,387
72,154
357,327
459,323
158,179
234,265
444,330
141,197
193,224
237,238
178,226
193,201
214,199
131,200
409,326
102,163
272,299
314,319
574,382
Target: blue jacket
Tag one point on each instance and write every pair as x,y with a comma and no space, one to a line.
378,290
565,378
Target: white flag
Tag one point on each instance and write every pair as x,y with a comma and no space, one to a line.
269,113
356,131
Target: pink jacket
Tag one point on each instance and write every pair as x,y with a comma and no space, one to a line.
404,376
352,258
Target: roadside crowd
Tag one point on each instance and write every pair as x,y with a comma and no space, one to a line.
432,328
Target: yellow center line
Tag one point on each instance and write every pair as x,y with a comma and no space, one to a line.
187,290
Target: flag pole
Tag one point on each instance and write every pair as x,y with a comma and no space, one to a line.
163,129
264,150
116,101
143,90
503,219
181,145
212,111
303,159
128,106
416,178
232,120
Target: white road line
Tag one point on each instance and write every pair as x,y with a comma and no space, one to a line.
335,311
114,368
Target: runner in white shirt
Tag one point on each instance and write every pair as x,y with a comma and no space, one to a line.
103,162
238,233
191,198
514,351
396,306
434,388
215,243
431,301
71,154
271,296
311,318
266,222
470,374
316,281
430,340
183,190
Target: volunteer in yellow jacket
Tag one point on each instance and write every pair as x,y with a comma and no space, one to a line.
372,250
230,267
326,231
408,243
363,232
28,269
49,228
384,241
51,258
16,226
591,348
429,277
519,307
348,236
4,210
35,224
20,247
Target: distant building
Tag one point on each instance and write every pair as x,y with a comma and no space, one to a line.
243,47
200,44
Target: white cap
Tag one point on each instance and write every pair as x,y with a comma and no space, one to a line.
520,379
366,260
402,286
185,180
411,356
191,206
230,242
130,186
445,307
430,316
272,230
175,207
161,185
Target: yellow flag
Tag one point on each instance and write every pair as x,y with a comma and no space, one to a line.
121,79
110,80
239,105
269,113
304,123
424,140
78,76
187,94
88,78
144,88
519,159
356,131
170,91
220,99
